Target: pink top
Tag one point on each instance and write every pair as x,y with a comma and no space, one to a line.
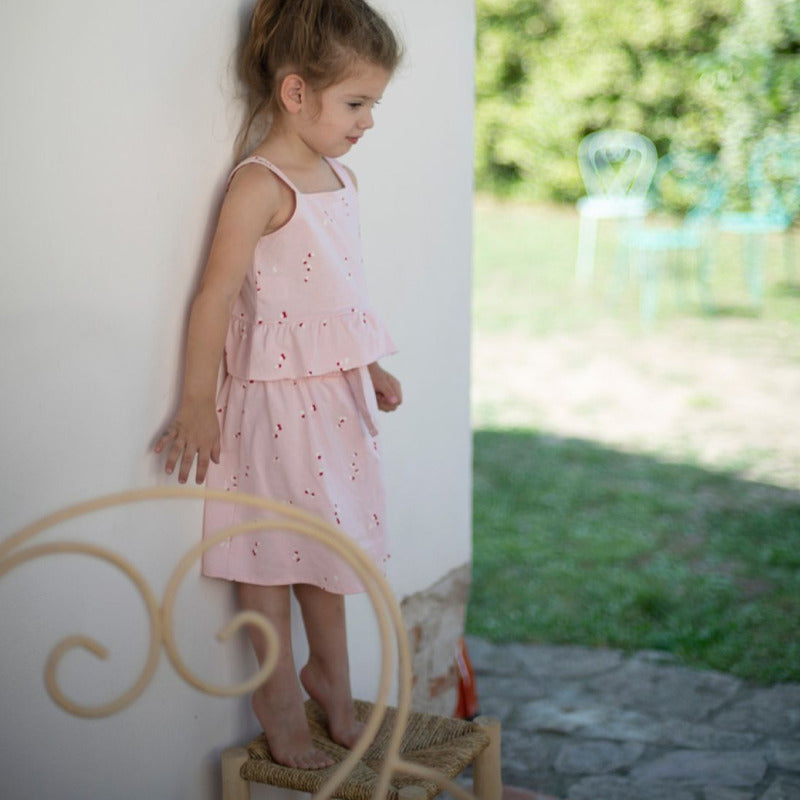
303,308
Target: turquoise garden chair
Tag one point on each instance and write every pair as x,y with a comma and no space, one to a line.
688,181
617,168
774,185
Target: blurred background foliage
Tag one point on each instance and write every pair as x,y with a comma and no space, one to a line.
710,75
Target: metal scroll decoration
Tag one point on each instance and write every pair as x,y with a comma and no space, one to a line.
17,550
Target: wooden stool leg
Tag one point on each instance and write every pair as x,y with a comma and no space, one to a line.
234,786
487,783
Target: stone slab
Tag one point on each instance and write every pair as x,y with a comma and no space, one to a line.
616,788
667,691
783,789
646,727
492,659
626,725
523,752
518,793
596,758
556,716
727,793
723,768
784,754
774,711
540,660
565,661
698,736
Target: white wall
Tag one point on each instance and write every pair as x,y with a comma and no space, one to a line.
116,137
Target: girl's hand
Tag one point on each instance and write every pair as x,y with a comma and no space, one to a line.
388,392
193,432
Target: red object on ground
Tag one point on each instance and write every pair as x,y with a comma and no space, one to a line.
467,705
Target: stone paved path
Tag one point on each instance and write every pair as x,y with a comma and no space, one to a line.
590,724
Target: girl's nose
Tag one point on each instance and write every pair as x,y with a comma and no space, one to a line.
367,121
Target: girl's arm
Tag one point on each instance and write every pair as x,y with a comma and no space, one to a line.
252,202
387,388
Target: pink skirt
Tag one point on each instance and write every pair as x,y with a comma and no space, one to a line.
310,443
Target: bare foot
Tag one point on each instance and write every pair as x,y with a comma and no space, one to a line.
336,701
286,730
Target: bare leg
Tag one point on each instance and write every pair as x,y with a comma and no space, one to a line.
326,676
278,704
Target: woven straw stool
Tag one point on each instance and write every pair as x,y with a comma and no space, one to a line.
445,745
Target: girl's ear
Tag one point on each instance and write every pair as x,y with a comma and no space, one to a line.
292,93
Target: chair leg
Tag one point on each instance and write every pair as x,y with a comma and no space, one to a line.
622,268
676,266
234,786
650,273
704,262
487,782
754,255
789,255
587,244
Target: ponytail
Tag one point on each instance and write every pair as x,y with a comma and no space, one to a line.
320,40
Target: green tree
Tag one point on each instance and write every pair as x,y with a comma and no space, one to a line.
754,82
551,71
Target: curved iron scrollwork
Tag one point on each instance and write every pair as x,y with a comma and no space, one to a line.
16,550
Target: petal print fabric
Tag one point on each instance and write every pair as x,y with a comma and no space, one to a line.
297,408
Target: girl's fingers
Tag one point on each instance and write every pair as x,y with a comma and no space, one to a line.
163,440
388,389
181,450
387,404
189,452
173,455
202,466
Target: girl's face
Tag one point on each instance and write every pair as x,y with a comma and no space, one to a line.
337,117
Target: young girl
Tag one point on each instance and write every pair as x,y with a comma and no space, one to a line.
283,298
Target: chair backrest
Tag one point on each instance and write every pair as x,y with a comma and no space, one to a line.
689,183
617,163
774,176
18,549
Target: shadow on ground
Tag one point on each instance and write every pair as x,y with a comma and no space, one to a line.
575,543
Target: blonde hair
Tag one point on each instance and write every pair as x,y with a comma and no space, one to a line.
320,40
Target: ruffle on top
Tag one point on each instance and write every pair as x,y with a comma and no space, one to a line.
268,351
303,309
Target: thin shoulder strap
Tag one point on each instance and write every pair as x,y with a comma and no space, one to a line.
341,172
264,163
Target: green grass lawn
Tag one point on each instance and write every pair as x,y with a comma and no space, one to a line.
580,542
524,267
